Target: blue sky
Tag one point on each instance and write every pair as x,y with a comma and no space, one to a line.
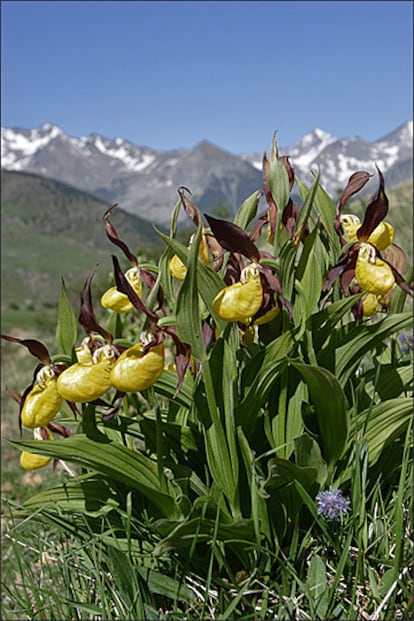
169,74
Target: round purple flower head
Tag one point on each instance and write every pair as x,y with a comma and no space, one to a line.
331,503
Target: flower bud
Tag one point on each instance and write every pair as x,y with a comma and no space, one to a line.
119,302
43,401
135,370
240,301
372,274
177,268
89,378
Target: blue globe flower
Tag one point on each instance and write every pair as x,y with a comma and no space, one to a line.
331,504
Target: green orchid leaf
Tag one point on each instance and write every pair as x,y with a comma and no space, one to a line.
66,330
329,402
112,460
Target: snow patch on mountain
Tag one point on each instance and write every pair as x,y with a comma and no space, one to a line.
145,180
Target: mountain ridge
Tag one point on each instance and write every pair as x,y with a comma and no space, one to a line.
144,180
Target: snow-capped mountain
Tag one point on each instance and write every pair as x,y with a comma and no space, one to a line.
145,181
338,158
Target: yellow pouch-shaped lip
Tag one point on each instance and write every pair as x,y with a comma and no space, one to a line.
177,267
43,401
33,461
372,274
119,302
86,381
240,301
382,236
371,304
134,371
271,314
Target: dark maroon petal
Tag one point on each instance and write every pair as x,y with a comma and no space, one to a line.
348,274
123,285
182,357
375,211
157,338
115,407
87,316
285,303
255,234
289,168
216,250
272,215
355,183
266,186
399,278
60,429
114,237
272,281
347,258
233,238
357,309
36,348
149,280
395,256
289,215
189,207
208,333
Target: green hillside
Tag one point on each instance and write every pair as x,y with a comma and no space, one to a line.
49,230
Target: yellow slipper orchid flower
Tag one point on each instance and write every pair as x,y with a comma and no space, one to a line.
240,301
43,401
177,267
372,274
135,370
89,378
119,302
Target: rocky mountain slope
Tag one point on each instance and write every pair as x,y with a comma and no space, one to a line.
145,181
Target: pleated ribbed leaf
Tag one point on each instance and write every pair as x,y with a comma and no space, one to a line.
330,407
111,460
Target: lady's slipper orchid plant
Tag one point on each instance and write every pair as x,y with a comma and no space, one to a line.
254,292
41,401
361,266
